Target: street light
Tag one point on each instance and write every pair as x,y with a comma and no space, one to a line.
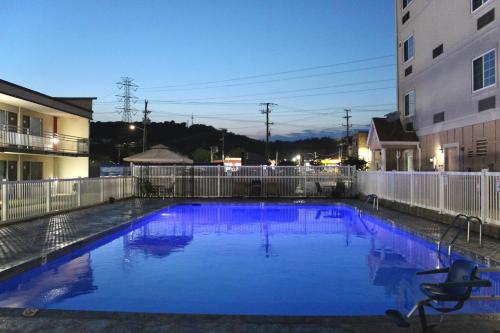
133,127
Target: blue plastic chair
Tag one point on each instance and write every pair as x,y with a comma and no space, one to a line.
460,280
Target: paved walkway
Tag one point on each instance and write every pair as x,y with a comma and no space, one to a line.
24,244
51,321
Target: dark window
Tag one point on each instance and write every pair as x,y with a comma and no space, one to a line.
486,19
409,100
439,117
487,103
409,127
407,2
408,70
405,18
32,170
437,51
408,49
478,3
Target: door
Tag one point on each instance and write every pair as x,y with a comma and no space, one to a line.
451,159
12,170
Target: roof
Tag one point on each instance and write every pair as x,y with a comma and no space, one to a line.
159,154
58,103
392,130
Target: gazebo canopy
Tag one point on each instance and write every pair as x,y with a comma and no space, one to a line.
158,154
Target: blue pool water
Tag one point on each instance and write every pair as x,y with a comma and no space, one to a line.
273,259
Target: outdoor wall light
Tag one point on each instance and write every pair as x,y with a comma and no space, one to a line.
131,127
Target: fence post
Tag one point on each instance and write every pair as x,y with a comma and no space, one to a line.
441,191
305,180
5,203
102,189
412,188
79,192
218,181
48,194
484,194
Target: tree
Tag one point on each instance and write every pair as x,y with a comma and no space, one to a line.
201,155
236,152
355,161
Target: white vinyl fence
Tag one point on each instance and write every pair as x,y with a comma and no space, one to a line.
27,199
470,193
245,181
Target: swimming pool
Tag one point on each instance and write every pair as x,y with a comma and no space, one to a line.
233,258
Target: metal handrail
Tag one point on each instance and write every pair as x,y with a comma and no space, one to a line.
478,220
374,199
467,222
455,219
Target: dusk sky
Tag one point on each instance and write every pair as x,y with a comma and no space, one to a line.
214,59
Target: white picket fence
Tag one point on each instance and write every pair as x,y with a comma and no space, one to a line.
470,193
27,199
246,181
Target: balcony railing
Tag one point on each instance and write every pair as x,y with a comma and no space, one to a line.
19,138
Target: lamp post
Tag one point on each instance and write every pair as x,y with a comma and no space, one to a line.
133,127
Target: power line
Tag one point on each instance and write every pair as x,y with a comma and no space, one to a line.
285,79
295,90
127,99
273,73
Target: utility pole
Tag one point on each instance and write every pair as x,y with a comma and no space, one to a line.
192,119
145,123
127,99
223,143
347,130
267,111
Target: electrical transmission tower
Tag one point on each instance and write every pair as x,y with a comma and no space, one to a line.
127,99
267,111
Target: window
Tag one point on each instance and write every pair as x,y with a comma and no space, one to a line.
408,70
32,170
484,71
405,18
438,117
476,4
437,51
486,19
406,3
410,103
32,125
408,49
487,103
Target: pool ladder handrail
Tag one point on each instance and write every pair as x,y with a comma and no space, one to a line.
467,222
374,199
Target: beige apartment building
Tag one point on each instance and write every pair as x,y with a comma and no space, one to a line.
447,86
43,137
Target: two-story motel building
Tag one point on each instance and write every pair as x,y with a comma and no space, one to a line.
447,71
43,137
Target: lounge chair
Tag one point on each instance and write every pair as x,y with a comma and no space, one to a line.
462,276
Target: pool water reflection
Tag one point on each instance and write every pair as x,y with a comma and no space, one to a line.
221,258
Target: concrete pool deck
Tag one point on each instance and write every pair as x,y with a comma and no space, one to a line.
24,245
53,321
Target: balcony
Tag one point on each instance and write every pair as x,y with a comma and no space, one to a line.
18,139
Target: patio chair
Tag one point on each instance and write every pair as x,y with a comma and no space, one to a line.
457,288
148,189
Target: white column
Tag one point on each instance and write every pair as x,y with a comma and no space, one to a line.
383,165
373,163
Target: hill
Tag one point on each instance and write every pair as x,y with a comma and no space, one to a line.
111,141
